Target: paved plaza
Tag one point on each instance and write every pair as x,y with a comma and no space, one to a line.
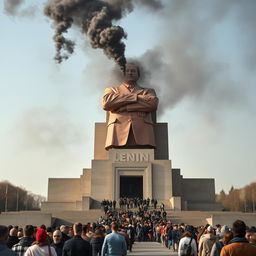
151,248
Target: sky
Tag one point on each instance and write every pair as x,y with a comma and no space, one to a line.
199,56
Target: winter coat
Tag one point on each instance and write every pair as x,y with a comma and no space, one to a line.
4,250
185,241
76,246
96,244
58,248
21,247
238,247
216,249
12,240
36,250
205,244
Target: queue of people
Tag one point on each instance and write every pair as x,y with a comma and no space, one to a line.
115,232
129,203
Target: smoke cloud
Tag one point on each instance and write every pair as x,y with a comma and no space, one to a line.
48,129
15,8
152,4
182,66
11,6
95,18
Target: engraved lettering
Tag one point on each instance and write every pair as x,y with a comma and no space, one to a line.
131,157
144,157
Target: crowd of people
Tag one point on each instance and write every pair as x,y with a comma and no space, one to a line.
115,232
129,203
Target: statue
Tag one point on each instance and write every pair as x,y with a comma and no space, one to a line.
130,123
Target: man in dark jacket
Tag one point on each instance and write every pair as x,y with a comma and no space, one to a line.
57,243
76,246
13,238
21,247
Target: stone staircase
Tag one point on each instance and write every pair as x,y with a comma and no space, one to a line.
188,217
69,217
195,218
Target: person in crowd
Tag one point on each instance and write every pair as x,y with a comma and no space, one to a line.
218,245
57,243
169,236
239,245
114,205
96,242
175,238
187,241
49,233
114,243
64,233
77,246
253,239
41,246
108,229
249,233
85,233
206,242
20,233
131,233
123,232
21,247
155,204
4,250
13,238
71,232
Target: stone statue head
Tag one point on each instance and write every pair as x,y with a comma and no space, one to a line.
132,72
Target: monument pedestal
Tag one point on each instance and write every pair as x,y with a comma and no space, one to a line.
145,173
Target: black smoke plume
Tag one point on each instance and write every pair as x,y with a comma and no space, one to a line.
95,18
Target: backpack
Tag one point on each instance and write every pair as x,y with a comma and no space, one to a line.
187,249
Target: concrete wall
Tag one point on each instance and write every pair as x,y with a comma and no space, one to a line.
22,219
229,218
64,190
162,186
176,182
101,179
99,141
58,206
86,182
202,206
198,190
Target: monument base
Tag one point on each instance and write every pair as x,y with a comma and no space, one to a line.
130,173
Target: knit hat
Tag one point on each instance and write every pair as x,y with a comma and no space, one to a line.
41,235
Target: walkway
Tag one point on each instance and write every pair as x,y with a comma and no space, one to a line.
150,248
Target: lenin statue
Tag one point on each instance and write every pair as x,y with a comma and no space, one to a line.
130,123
